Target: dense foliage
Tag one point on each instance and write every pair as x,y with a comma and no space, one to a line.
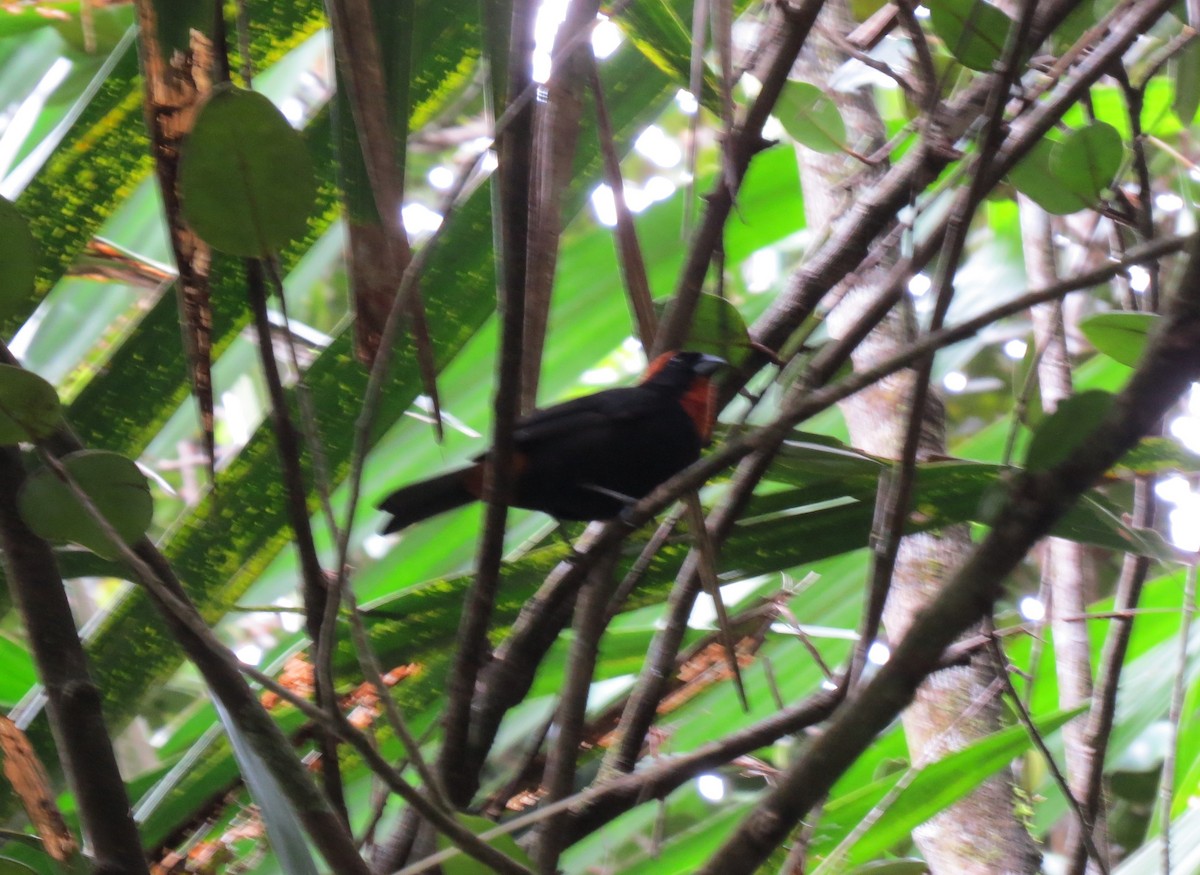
1082,112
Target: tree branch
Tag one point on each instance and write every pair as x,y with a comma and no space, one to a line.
1035,502
74,702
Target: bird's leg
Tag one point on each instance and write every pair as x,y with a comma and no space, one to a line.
628,501
626,515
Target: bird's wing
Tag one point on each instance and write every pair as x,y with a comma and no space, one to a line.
589,412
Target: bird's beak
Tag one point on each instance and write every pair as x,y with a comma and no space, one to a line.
709,364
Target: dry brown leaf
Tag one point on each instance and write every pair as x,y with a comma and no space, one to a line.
27,776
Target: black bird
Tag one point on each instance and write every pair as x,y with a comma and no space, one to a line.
591,457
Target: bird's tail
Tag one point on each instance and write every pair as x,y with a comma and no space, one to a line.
415,502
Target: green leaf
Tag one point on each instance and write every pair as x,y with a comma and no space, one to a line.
18,259
717,328
9,866
1095,519
104,28
1087,160
1075,25
24,853
17,674
114,484
973,31
827,516
246,180
861,10
464,865
1155,455
812,457
811,117
29,408
659,33
1120,336
1034,178
1066,428
1025,381
935,787
1185,71
279,816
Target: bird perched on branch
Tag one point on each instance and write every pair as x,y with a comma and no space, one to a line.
591,457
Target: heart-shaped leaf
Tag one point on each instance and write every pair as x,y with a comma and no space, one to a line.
29,407
973,31
246,179
717,328
113,483
1035,179
1087,160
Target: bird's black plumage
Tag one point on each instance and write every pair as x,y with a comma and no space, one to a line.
588,458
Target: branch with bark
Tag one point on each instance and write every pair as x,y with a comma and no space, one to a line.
1035,501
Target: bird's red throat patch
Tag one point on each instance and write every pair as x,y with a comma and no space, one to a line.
700,403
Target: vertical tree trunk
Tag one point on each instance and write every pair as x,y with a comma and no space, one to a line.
1067,575
980,834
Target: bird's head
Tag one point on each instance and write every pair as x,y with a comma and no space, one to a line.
686,375
678,370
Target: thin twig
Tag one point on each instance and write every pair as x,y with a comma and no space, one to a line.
445,823
598,804
1000,661
320,609
900,485
642,564
220,668
309,424
1178,691
795,21
73,699
1036,500
571,714
633,266
373,674
511,205
706,568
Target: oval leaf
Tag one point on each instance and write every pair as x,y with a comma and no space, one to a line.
973,31
1087,160
18,259
1034,178
464,865
811,117
246,179
1120,336
717,328
113,483
1066,428
29,407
